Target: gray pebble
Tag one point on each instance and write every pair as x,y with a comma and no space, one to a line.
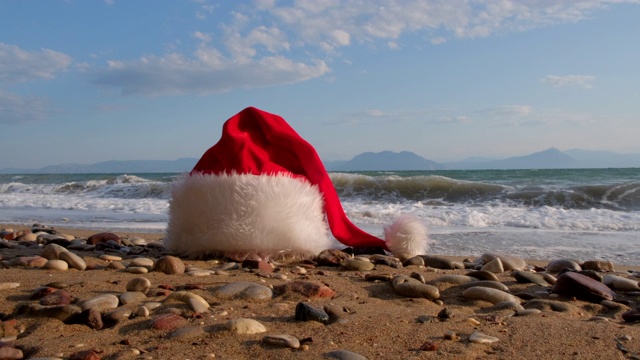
283,340
244,290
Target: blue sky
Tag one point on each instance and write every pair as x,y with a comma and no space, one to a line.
88,81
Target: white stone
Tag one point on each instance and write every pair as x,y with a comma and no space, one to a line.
54,264
245,326
73,260
494,266
480,338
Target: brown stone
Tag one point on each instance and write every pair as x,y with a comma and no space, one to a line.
572,284
261,265
331,257
58,297
598,265
305,288
169,265
85,355
168,322
103,237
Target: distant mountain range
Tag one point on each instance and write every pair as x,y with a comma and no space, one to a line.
369,161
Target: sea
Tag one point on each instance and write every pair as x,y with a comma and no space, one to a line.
581,214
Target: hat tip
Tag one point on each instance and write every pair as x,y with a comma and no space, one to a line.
407,237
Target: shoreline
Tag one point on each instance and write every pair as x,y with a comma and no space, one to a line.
373,319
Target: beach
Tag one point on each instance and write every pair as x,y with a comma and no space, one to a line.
369,315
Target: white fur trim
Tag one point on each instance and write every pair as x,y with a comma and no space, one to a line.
245,214
407,237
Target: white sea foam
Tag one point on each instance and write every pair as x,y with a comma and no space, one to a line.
516,213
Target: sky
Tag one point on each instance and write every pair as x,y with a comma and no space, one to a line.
84,81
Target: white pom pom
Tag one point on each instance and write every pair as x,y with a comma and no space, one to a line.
407,237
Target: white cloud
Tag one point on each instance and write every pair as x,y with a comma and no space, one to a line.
309,34
433,116
508,111
18,65
208,73
569,80
16,109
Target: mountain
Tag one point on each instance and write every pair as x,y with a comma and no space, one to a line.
386,161
551,158
594,159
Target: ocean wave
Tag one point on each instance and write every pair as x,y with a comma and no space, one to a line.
122,186
423,189
441,190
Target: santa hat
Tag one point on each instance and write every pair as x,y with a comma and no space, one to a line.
263,190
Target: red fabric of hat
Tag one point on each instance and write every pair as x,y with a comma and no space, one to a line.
260,143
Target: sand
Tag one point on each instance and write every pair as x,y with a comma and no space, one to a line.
376,322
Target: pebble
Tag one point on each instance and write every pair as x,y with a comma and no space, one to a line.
631,315
132,297
494,266
387,260
454,279
482,275
572,284
73,260
414,261
168,322
58,297
201,272
118,314
598,265
229,266
306,312
451,335
137,270
142,311
137,241
283,340
103,238
244,290
9,285
141,261
107,257
545,305
260,265
10,353
196,302
620,283
549,278
486,283
245,326
55,264
139,284
508,262
441,262
169,265
357,265
116,265
555,266
331,257
344,355
412,288
480,338
307,289
493,296
528,277
185,332
52,251
101,303
525,312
